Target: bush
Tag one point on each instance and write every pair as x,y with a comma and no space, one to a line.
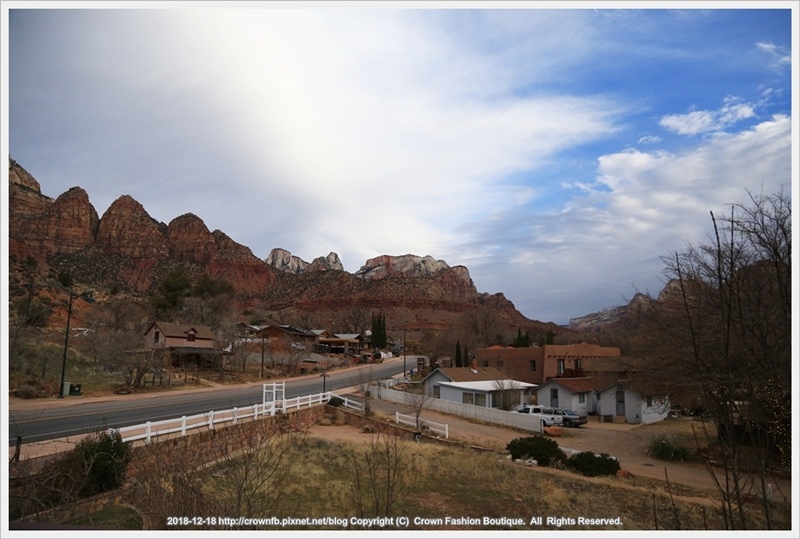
543,450
97,464
26,392
665,449
335,401
592,465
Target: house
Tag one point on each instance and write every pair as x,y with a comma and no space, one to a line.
538,364
287,337
575,393
185,344
635,402
479,386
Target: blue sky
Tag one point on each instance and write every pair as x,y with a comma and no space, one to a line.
556,153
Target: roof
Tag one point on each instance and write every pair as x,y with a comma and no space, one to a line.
576,385
289,329
180,330
468,374
488,385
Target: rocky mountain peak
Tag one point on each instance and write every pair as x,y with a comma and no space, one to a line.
326,263
126,229
20,177
284,261
408,265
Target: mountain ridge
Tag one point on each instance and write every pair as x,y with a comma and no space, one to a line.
127,249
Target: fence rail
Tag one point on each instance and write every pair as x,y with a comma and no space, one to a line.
479,413
146,431
439,428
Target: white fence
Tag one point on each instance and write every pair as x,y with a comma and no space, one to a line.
439,428
147,431
479,413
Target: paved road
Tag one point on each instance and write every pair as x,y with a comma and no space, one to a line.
46,419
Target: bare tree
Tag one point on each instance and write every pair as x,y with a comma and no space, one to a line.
378,479
508,391
355,320
722,329
363,379
418,400
251,482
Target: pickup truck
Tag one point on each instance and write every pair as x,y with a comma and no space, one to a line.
547,414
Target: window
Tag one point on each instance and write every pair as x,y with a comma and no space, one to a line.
499,363
484,363
468,398
480,399
582,398
560,366
437,392
533,364
156,336
577,364
649,401
190,337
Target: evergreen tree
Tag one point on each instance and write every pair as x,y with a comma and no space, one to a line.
172,289
379,330
458,354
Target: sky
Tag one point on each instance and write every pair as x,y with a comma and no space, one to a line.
558,153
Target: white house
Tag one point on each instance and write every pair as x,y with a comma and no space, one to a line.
578,394
485,386
621,398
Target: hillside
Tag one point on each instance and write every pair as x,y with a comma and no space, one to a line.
128,251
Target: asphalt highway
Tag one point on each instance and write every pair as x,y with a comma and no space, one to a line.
71,417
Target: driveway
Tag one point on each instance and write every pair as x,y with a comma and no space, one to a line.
627,443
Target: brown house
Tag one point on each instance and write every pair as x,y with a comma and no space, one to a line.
538,364
186,344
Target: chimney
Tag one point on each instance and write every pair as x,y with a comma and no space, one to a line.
474,367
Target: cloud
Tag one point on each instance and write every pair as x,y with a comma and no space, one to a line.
609,239
650,139
780,57
704,121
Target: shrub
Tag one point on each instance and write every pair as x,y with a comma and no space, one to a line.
543,450
335,401
592,465
26,392
97,464
665,449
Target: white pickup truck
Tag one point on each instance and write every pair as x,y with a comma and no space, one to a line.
547,415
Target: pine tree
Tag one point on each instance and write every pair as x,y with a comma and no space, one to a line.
458,354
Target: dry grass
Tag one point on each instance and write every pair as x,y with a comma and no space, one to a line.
440,481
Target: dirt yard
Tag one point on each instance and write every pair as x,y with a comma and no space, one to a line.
628,443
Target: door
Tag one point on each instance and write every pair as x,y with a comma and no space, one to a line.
554,397
620,401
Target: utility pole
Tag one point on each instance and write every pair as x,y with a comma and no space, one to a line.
404,352
88,295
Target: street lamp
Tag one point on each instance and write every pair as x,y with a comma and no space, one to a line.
324,377
88,295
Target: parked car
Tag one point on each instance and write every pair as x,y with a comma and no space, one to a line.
546,414
571,418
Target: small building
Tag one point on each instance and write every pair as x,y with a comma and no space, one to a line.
478,386
578,394
288,337
635,403
186,344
